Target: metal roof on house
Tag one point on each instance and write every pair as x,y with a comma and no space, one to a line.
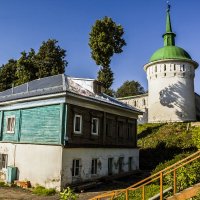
58,84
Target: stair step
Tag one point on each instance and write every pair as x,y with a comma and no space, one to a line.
187,193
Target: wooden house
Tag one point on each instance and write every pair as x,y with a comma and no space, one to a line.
60,130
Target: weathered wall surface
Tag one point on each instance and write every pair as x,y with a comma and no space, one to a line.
102,154
40,164
171,91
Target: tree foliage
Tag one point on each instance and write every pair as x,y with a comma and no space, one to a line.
7,74
130,88
49,61
106,40
26,68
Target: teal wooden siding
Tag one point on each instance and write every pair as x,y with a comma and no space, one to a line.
42,125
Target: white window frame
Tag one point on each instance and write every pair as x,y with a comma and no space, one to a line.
74,167
3,168
97,126
12,117
77,132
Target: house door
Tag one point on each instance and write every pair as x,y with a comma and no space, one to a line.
110,166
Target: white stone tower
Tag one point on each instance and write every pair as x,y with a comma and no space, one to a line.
170,75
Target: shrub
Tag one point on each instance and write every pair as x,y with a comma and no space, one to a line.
68,194
196,136
166,164
40,190
187,175
2,184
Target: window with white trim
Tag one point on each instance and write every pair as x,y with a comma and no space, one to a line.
76,167
95,126
3,161
10,124
94,166
78,124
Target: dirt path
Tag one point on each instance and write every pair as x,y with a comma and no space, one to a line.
7,193
15,193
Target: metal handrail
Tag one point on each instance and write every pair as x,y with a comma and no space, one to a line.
152,178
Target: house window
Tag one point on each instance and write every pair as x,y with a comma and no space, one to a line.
135,103
110,166
94,166
109,126
3,161
164,67
121,161
76,167
130,163
120,128
78,124
156,68
10,124
130,130
95,126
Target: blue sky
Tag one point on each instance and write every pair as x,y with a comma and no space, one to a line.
25,24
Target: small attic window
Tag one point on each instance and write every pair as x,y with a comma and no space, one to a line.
156,68
174,67
135,103
165,68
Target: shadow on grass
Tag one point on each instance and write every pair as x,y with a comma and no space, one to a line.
150,158
148,131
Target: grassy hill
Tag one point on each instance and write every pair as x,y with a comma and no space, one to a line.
159,143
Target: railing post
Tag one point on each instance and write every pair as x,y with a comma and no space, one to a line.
175,181
143,193
126,194
161,185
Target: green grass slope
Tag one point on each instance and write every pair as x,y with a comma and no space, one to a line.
159,143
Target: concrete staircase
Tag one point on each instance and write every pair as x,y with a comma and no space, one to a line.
187,193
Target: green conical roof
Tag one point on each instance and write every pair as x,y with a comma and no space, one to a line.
169,51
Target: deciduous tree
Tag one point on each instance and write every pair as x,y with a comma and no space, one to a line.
7,74
106,40
50,60
129,88
26,67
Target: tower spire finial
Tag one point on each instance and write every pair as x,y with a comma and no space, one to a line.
169,36
168,6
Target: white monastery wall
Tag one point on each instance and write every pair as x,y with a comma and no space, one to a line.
171,92
140,102
39,164
85,155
